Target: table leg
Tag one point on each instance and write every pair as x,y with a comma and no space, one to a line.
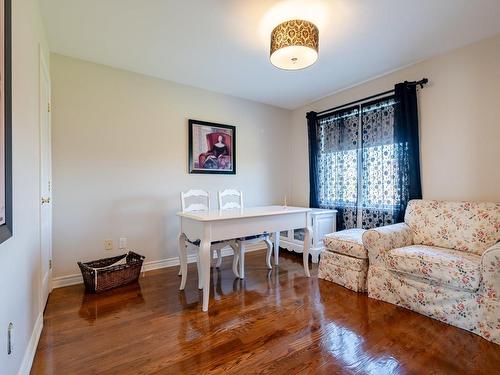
200,273
269,245
205,255
236,252
276,248
219,258
183,260
241,259
315,256
307,245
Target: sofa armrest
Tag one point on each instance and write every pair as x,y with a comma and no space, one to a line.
490,272
379,240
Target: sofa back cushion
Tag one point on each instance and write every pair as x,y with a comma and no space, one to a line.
467,226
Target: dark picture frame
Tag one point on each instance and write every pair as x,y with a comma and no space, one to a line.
212,148
6,113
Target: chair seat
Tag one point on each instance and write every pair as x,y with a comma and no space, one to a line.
254,237
347,242
247,238
452,268
197,242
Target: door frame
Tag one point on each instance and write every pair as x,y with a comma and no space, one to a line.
44,111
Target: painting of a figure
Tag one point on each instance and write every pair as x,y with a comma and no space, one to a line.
211,148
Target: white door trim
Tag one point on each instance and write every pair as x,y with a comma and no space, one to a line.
45,279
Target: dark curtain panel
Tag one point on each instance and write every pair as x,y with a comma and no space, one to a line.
406,142
313,159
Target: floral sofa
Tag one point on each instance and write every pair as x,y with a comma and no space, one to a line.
443,262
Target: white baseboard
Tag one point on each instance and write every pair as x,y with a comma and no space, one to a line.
29,354
61,281
67,280
164,263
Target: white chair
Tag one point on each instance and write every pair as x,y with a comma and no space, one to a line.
231,199
200,201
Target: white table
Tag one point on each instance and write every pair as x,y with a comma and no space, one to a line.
215,225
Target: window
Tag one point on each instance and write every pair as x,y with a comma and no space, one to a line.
357,164
364,159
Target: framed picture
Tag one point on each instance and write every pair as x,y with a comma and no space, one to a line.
212,148
5,122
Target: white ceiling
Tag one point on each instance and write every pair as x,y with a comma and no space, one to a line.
223,45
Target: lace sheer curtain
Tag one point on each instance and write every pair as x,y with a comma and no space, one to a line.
379,165
337,165
359,166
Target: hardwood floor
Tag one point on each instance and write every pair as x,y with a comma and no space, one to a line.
274,322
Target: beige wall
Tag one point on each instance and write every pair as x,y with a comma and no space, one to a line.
20,255
120,158
119,147
459,123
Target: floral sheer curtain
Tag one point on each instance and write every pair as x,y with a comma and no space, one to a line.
360,164
338,137
379,165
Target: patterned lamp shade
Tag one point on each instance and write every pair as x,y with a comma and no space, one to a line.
294,45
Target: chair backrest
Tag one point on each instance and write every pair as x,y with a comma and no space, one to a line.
195,200
230,199
467,226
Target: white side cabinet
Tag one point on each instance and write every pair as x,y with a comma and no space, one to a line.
323,222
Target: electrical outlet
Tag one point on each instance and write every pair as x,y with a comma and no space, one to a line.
10,344
108,244
123,243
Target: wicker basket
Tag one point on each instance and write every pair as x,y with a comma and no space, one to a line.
104,274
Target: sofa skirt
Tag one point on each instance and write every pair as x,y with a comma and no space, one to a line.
343,270
472,311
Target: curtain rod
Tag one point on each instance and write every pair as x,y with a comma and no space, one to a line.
420,83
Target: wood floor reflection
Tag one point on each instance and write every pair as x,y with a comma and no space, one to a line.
274,322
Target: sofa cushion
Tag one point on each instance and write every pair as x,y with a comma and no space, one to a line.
452,268
467,226
348,242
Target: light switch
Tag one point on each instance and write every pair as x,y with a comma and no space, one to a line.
123,242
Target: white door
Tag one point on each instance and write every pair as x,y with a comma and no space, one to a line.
45,184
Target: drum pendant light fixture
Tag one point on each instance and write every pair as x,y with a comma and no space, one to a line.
294,45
